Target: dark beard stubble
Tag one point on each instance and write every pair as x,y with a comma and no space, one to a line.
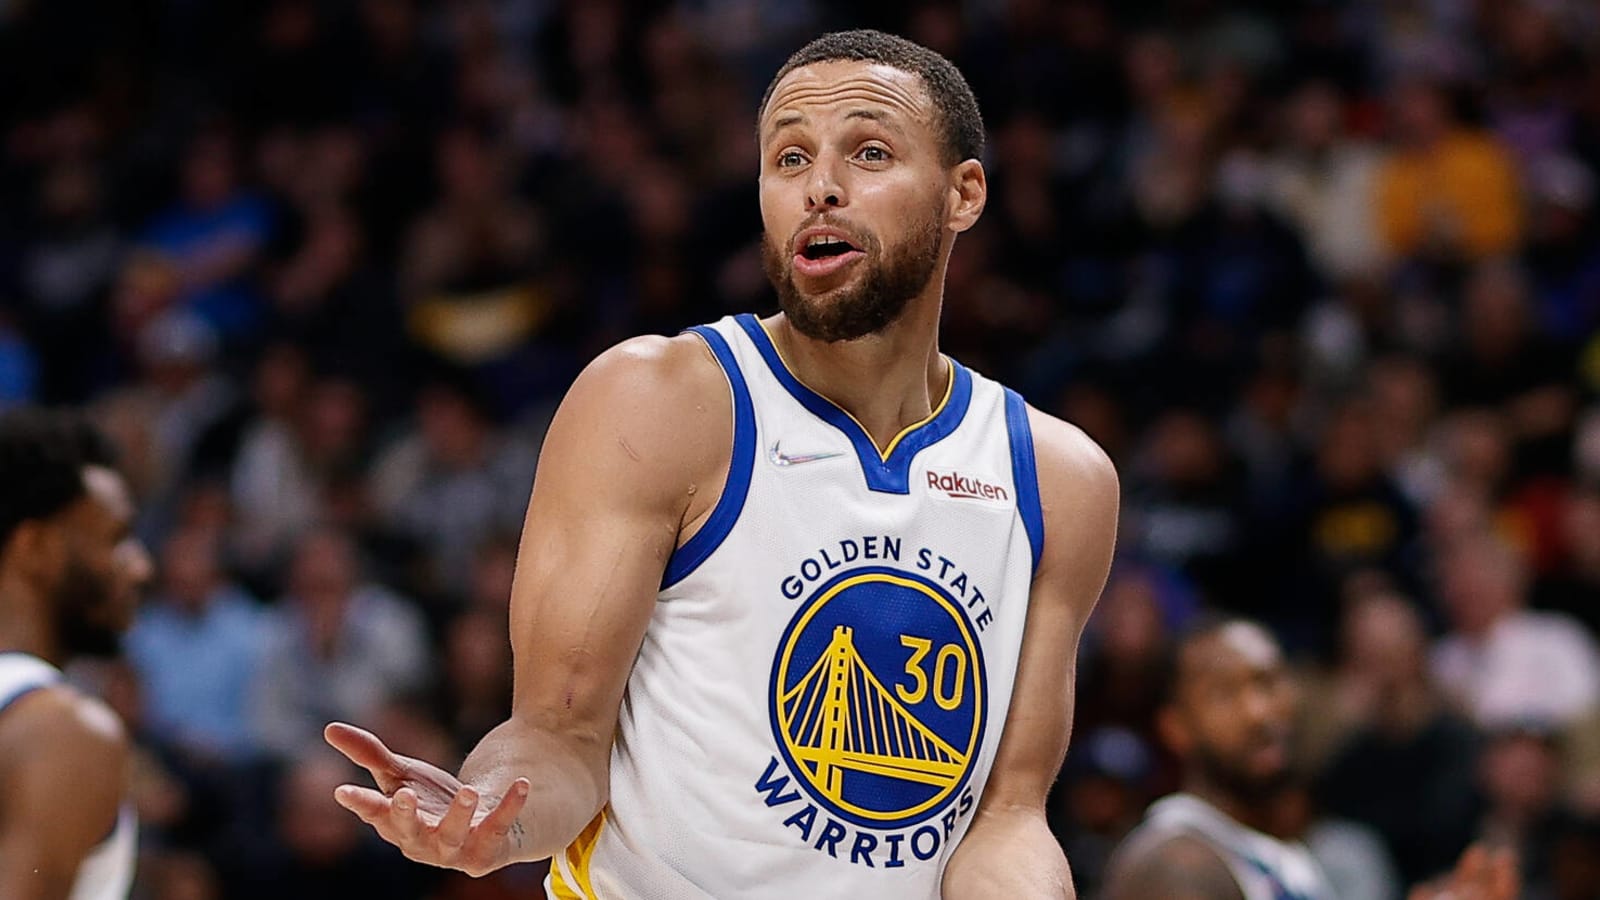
82,615
876,301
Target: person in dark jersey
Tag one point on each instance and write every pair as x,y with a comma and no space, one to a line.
70,572
1229,716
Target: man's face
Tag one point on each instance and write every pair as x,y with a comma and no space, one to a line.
1234,711
96,586
855,196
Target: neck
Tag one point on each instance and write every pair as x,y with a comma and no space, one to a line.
23,626
887,380
1248,814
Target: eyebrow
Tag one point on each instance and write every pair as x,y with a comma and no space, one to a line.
784,121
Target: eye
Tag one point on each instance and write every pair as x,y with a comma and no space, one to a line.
874,153
788,159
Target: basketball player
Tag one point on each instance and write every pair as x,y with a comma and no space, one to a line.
798,600
1229,716
70,569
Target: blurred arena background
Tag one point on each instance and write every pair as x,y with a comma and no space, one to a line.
1323,277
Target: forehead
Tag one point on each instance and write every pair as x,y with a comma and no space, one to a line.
825,88
1237,650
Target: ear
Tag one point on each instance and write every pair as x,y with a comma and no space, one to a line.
35,546
1174,731
969,192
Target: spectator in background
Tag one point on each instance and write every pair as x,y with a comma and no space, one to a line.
1321,180
452,482
317,851
197,647
19,369
1353,517
1574,588
1186,515
339,648
1444,191
1404,763
1104,789
1521,774
1124,672
1405,403
213,237
465,275
167,415
328,299
64,277
290,453
477,679
1562,257
1502,663
1504,362
1351,854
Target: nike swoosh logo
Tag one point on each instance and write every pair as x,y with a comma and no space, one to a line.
779,458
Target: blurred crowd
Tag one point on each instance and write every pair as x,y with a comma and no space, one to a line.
1322,277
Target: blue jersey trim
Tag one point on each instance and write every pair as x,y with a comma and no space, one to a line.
887,475
1024,473
697,549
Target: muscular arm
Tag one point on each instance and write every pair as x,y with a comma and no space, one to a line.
1009,852
636,453
63,769
1172,868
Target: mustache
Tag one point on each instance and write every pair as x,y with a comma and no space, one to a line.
857,235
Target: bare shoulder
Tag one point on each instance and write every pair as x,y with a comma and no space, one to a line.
1070,463
649,411
57,740
1164,865
1079,492
669,374
60,724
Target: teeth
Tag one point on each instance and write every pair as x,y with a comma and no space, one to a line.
818,240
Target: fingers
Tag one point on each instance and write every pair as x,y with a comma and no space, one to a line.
363,748
364,802
457,822
499,820
450,840
404,820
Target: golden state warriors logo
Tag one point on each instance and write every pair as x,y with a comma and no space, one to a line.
877,697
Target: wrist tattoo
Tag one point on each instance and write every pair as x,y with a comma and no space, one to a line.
516,832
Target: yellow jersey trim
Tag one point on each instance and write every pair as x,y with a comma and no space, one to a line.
885,452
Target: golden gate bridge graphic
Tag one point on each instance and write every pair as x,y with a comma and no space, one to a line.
840,717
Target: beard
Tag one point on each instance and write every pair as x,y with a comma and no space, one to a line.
1250,788
875,301
86,623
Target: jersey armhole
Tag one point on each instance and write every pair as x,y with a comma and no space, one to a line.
699,548
1024,473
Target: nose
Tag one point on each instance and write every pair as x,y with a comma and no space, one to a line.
136,562
825,189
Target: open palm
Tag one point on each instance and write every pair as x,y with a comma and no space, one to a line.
427,812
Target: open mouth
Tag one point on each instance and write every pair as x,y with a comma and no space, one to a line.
824,253
826,246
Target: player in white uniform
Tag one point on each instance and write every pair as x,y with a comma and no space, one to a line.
1229,716
798,600
70,570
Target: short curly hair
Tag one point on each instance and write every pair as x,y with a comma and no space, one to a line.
960,123
42,457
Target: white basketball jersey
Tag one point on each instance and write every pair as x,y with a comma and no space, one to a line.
820,692
107,872
1264,867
